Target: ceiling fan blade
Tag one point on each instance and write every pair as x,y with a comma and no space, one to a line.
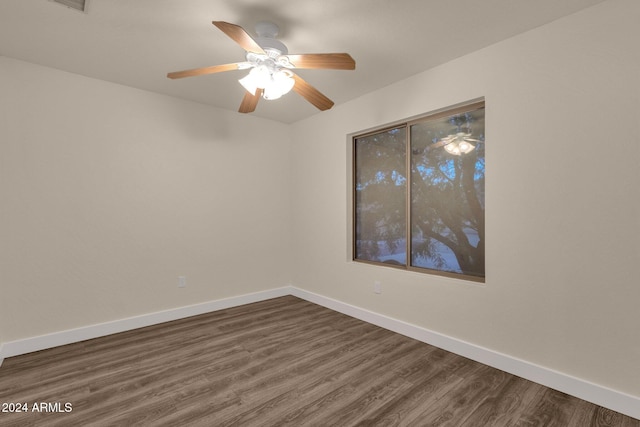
331,61
311,94
209,70
240,36
250,101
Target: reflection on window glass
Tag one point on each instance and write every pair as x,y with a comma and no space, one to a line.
447,193
380,197
439,192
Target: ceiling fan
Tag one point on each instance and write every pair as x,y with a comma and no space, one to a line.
270,66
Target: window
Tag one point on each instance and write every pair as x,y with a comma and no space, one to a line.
419,194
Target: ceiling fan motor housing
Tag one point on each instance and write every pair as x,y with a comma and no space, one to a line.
267,32
272,47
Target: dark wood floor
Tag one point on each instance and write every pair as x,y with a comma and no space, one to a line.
279,362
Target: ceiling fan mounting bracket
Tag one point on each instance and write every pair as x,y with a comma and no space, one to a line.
267,32
267,29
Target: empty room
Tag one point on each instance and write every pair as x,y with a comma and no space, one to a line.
305,213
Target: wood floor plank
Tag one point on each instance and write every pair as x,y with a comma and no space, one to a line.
281,362
352,393
299,379
502,408
551,408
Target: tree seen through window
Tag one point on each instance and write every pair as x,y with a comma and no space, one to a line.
436,197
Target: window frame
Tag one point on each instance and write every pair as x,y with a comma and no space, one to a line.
407,124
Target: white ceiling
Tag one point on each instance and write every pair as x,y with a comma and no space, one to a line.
137,42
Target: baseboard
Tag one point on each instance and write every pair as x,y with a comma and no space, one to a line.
28,345
594,393
599,395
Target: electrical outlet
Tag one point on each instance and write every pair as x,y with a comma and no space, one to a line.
377,287
182,282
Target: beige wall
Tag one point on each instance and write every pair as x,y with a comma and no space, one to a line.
110,193
562,199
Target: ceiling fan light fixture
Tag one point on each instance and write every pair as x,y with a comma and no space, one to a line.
270,93
283,81
258,78
274,84
280,84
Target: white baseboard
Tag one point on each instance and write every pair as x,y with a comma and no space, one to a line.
602,396
28,345
594,393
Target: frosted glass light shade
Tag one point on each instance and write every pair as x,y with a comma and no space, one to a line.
274,84
257,78
280,84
